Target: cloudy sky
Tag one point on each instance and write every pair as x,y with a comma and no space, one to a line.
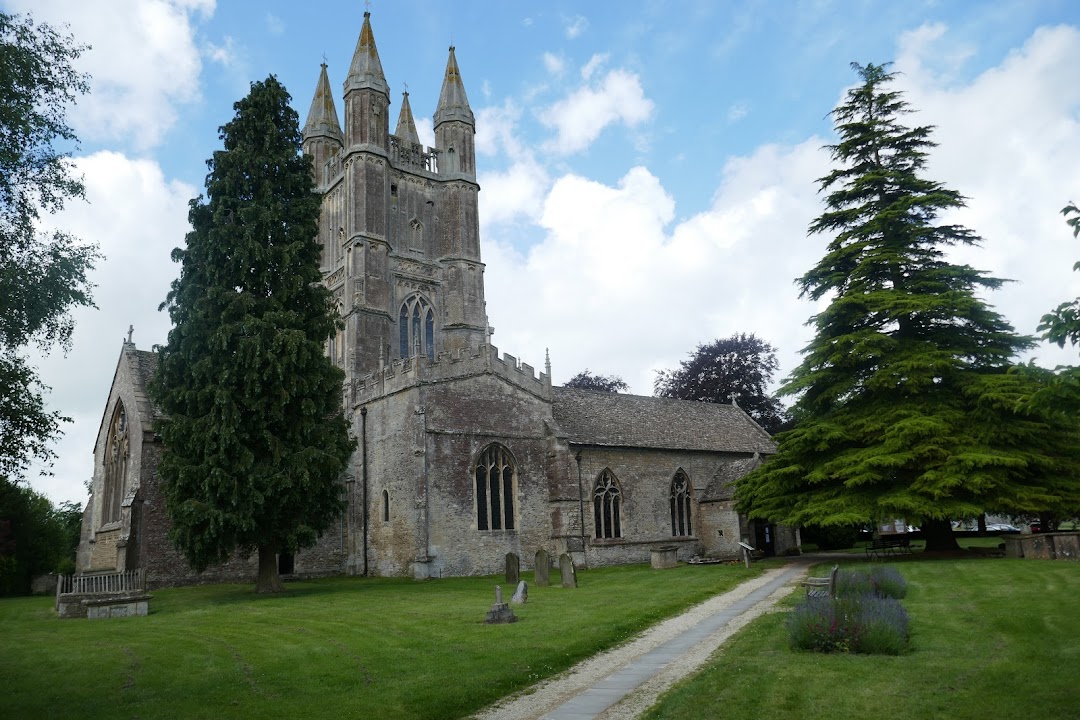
647,169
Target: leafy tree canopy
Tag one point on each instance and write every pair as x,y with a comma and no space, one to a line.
42,275
586,380
741,366
255,439
904,406
1063,324
36,537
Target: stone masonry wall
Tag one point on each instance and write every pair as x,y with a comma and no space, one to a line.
644,478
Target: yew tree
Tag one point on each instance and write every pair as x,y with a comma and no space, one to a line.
741,366
255,441
904,407
586,380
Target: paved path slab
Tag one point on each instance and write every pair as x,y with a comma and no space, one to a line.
623,682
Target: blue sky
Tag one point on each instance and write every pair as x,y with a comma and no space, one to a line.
647,169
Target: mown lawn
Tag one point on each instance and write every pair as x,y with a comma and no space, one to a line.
990,638
343,647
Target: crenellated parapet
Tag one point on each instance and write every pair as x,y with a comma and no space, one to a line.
449,365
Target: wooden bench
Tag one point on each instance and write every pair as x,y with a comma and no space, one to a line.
822,587
884,546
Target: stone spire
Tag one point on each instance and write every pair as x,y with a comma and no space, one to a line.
453,105
366,69
406,127
322,119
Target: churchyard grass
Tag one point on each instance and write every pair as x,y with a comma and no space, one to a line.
990,638
342,647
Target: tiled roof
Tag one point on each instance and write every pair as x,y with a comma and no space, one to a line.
591,417
722,485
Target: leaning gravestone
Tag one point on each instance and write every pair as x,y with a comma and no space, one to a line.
541,565
500,612
569,574
513,568
521,595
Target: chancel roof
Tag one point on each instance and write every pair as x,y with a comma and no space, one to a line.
590,417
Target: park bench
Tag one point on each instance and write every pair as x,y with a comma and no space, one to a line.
884,546
822,587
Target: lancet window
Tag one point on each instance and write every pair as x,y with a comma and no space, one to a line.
496,483
117,448
607,505
416,328
680,505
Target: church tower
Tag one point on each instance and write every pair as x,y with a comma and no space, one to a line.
399,226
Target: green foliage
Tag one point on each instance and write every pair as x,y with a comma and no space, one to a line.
586,380
35,537
881,581
863,624
1063,324
904,404
741,365
42,276
255,439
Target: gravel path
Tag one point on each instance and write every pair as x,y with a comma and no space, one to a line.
547,697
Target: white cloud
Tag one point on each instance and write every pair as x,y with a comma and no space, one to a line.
274,24
738,111
575,26
224,54
425,130
137,217
554,64
580,118
143,62
595,63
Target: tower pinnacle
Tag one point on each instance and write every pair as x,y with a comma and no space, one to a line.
322,119
453,104
366,71
406,127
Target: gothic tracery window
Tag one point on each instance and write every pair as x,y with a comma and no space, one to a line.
116,458
607,502
416,328
496,482
680,505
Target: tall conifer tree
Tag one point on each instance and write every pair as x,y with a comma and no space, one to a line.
254,435
904,408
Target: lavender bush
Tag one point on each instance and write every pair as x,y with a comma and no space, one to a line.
866,617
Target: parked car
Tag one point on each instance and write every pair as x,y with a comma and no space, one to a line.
1002,527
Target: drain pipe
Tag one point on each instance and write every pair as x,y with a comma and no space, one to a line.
364,480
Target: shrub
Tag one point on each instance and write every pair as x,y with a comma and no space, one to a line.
866,617
884,582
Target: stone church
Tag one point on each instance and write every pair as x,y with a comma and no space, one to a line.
464,454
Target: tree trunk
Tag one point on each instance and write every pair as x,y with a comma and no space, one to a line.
982,524
939,536
269,580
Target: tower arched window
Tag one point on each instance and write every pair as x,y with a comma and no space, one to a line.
117,448
386,506
416,328
496,488
607,506
680,505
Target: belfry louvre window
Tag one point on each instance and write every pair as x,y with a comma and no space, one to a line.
116,458
496,479
680,505
607,502
416,326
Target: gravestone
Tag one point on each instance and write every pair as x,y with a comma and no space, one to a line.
521,595
500,612
541,566
513,568
569,574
